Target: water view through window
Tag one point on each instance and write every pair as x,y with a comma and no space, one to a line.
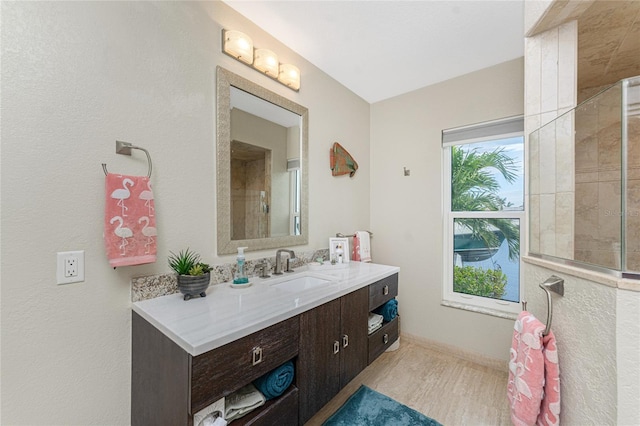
487,208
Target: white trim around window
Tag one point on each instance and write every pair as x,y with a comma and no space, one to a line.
487,305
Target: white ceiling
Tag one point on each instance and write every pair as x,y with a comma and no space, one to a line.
380,49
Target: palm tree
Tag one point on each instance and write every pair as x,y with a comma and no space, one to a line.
475,188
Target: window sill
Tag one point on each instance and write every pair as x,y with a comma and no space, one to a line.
480,310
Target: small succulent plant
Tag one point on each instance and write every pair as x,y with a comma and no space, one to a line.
200,269
187,262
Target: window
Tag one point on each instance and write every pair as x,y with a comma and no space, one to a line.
484,214
293,166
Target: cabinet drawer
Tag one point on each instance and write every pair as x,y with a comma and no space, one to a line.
279,411
221,371
383,291
382,339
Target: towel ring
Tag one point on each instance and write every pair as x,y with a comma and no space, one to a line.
556,285
125,148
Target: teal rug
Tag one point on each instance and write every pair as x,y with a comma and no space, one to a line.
367,407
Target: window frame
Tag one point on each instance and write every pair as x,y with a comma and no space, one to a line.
294,200
467,301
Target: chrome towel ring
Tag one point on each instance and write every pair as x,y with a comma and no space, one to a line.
125,148
556,285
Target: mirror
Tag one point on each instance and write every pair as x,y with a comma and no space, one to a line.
262,160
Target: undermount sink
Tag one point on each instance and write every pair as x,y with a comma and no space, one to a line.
302,282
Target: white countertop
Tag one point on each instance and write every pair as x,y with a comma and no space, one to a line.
227,314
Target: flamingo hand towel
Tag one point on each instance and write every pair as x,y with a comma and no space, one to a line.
355,252
534,384
129,220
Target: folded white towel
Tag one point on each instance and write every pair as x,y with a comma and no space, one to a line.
375,319
374,322
374,328
243,401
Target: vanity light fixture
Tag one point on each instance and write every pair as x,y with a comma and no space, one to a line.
267,62
289,76
238,45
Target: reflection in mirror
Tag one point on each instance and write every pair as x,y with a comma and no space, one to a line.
261,167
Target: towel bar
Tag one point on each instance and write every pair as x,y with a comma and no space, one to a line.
341,235
552,284
125,148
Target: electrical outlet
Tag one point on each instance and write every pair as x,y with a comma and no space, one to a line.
70,267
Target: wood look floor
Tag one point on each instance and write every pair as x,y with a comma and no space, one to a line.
450,390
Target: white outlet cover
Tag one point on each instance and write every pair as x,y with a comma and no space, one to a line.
62,256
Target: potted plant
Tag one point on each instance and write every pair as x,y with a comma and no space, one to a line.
193,275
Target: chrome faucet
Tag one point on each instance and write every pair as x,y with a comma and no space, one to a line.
278,268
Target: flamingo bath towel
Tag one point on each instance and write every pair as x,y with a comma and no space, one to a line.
129,220
534,379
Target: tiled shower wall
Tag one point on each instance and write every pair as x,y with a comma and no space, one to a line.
632,229
593,309
586,225
249,181
598,213
550,74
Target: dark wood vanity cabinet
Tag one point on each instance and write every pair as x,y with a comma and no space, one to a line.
329,345
169,385
333,349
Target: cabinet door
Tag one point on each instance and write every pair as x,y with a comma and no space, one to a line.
354,344
318,378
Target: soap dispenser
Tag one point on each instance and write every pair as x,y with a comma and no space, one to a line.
241,275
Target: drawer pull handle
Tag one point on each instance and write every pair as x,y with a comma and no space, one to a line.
257,355
385,290
385,338
345,340
336,347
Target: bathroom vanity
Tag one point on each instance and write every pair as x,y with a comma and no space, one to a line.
188,355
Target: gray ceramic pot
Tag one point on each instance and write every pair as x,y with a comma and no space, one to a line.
193,285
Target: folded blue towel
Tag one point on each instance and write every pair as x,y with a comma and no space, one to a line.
389,310
275,382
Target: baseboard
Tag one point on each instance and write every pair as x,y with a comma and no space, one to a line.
483,360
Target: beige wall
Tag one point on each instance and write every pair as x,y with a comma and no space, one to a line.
76,76
406,211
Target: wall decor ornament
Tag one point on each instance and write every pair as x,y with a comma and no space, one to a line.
341,162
